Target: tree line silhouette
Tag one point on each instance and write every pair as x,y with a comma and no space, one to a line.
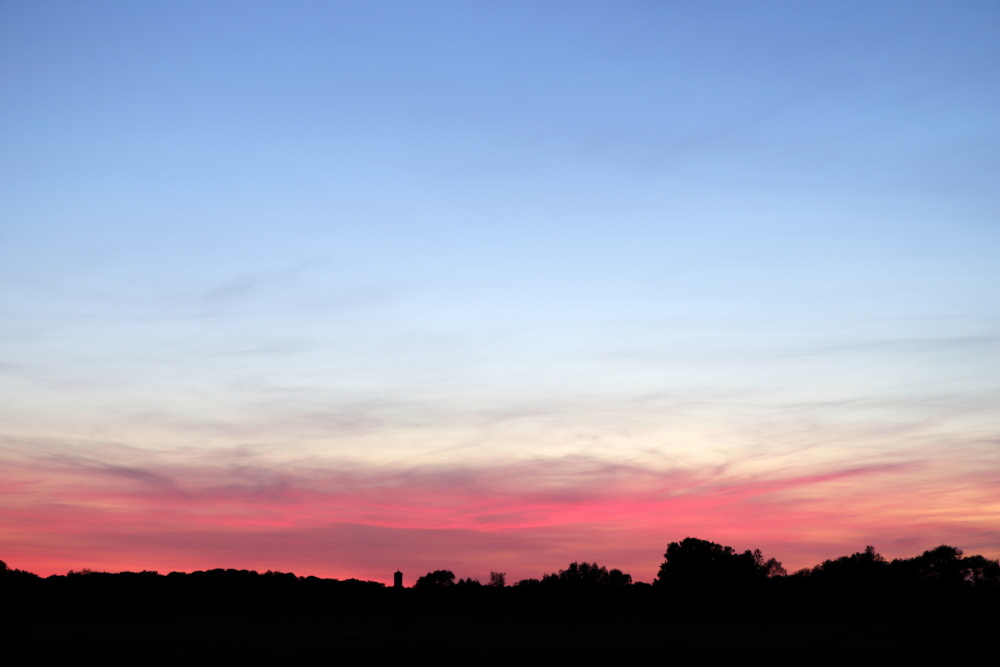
696,578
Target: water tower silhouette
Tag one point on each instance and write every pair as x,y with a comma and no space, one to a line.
397,579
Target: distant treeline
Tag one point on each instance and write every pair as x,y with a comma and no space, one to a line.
697,577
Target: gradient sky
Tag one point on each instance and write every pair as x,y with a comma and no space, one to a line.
344,287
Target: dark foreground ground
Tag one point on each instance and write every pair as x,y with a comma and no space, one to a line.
444,639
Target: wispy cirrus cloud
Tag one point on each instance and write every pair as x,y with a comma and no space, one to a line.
529,515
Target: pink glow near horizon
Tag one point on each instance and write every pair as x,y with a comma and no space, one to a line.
365,523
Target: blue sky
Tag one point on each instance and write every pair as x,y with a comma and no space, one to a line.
746,238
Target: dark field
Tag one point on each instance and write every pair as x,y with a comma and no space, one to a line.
436,639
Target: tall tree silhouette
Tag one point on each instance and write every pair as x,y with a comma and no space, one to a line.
698,564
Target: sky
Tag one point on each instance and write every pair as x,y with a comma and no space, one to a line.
341,288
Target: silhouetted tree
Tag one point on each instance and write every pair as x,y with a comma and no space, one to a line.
498,579
981,571
10,574
862,568
773,567
528,583
945,567
618,578
587,575
694,563
436,579
769,568
942,564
